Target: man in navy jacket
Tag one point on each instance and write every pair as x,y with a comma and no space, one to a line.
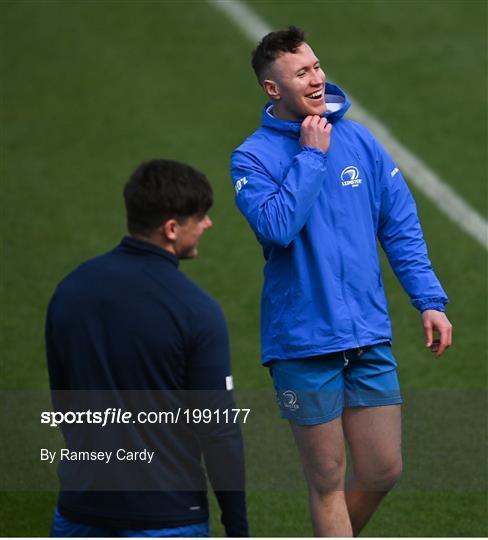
318,191
129,330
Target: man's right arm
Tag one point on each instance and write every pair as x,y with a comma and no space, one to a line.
277,211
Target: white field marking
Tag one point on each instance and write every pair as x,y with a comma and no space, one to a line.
423,178
250,23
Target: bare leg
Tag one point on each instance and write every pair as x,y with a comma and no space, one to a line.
323,457
374,436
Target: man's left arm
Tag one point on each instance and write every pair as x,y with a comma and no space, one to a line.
401,237
210,386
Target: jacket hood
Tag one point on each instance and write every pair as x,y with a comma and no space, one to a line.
337,105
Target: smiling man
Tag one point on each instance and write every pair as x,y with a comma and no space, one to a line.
318,191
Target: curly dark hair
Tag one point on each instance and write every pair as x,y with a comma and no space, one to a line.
162,189
273,45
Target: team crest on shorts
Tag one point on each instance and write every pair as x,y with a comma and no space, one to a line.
289,400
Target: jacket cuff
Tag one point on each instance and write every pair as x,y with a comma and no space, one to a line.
315,157
314,150
436,303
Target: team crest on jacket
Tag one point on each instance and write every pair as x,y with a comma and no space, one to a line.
350,177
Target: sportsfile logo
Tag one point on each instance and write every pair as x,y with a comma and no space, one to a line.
290,400
350,177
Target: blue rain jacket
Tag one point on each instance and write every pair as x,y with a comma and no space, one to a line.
318,217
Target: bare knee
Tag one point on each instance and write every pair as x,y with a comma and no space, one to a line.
380,478
328,476
390,474
323,455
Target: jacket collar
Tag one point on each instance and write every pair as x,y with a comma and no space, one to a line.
135,246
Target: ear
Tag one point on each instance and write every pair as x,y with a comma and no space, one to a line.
168,230
272,89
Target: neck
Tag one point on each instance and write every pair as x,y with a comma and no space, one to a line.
283,114
278,111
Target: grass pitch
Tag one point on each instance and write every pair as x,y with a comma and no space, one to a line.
92,88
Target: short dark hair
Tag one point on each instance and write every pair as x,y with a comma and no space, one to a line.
273,45
163,189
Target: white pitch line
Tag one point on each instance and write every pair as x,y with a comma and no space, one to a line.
424,178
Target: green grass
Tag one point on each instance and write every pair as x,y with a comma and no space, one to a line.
89,89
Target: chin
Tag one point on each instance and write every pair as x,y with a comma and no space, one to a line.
189,254
317,110
311,111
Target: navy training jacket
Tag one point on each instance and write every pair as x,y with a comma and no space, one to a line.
131,328
318,217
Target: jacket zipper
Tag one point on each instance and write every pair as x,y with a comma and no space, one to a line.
343,287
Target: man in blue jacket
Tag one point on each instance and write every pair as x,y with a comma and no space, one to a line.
129,331
318,191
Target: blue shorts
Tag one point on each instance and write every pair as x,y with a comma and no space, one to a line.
63,528
316,390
